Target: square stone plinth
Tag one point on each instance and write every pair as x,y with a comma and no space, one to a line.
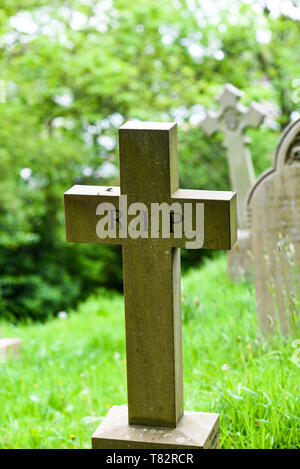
9,348
196,430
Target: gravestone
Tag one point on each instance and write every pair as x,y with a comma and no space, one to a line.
233,119
273,211
9,347
151,266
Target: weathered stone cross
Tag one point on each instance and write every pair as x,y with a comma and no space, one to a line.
233,119
151,266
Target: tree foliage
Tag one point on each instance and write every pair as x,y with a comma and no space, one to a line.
73,72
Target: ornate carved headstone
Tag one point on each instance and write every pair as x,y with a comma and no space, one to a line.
273,211
151,265
233,119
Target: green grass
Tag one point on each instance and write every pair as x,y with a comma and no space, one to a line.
71,371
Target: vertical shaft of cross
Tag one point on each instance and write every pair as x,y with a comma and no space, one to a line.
151,282
241,172
153,335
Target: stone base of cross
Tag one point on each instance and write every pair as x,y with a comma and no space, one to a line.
195,430
152,219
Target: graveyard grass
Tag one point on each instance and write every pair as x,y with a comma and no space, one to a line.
73,370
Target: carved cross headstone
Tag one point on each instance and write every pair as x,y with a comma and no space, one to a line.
151,266
273,211
233,119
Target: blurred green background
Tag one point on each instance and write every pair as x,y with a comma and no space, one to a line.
71,72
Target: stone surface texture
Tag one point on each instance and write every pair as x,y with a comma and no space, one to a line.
196,430
273,210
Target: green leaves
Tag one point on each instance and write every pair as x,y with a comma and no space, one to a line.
74,68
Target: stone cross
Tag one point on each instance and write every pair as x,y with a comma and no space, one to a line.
151,267
273,212
233,119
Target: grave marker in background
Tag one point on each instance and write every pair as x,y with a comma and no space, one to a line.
233,119
273,211
149,175
9,347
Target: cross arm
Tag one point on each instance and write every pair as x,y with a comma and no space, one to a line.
254,115
82,217
81,204
220,228
210,123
